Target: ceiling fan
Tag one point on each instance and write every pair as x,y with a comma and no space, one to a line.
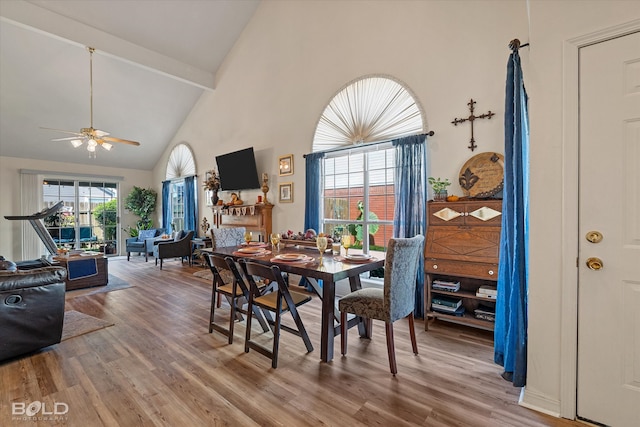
93,137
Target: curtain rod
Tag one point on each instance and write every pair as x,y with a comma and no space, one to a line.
355,146
515,44
70,175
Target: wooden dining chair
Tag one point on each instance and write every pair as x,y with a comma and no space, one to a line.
395,301
280,301
236,293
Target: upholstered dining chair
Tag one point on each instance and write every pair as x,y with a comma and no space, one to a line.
227,236
237,293
395,301
280,302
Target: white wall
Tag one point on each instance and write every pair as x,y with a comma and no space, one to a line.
294,56
11,231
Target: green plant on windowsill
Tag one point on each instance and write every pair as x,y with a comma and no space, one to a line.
439,187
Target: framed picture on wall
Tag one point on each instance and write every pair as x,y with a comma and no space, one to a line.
208,196
285,165
285,190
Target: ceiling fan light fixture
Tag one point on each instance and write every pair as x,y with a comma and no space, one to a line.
93,137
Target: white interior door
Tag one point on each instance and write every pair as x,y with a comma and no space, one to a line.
609,203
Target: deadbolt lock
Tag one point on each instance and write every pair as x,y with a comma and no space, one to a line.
594,236
594,263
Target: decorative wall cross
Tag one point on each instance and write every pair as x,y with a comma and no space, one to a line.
471,118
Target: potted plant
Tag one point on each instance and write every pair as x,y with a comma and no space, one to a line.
212,183
142,202
439,187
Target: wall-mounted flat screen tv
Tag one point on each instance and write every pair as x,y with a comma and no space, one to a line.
238,170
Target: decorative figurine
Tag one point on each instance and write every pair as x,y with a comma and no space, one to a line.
234,200
265,188
204,225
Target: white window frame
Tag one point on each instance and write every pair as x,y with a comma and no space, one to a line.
173,195
367,182
77,211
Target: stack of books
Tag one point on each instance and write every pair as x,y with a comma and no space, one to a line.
447,305
487,291
444,285
484,312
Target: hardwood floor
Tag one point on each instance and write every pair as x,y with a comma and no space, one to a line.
158,365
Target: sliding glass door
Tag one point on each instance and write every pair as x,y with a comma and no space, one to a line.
89,218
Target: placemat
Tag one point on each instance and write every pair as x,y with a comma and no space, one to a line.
306,260
341,258
236,253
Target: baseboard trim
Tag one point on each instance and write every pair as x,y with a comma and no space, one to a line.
539,402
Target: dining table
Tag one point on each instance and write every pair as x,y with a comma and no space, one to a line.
322,276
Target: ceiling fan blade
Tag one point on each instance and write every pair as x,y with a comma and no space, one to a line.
100,133
63,131
123,141
65,139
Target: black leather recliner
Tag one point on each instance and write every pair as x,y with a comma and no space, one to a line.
31,309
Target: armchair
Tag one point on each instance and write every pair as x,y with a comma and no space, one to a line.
179,248
143,243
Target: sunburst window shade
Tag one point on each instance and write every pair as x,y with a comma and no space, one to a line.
181,162
371,109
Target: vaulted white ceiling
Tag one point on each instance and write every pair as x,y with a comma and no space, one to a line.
152,62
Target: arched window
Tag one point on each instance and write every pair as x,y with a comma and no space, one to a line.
180,202
369,109
357,191
181,162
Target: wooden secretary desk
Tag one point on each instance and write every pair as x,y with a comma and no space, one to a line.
462,246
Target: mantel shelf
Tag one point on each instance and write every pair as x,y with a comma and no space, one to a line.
241,209
255,218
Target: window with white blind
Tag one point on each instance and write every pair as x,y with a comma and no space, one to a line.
358,196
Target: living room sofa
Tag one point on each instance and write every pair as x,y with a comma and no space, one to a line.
31,309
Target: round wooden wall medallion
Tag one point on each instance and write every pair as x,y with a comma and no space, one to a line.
482,175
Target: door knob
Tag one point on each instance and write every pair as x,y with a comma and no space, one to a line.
594,263
594,236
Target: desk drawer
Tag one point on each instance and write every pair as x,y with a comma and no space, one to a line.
460,268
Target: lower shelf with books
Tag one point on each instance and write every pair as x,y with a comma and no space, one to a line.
473,304
465,319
